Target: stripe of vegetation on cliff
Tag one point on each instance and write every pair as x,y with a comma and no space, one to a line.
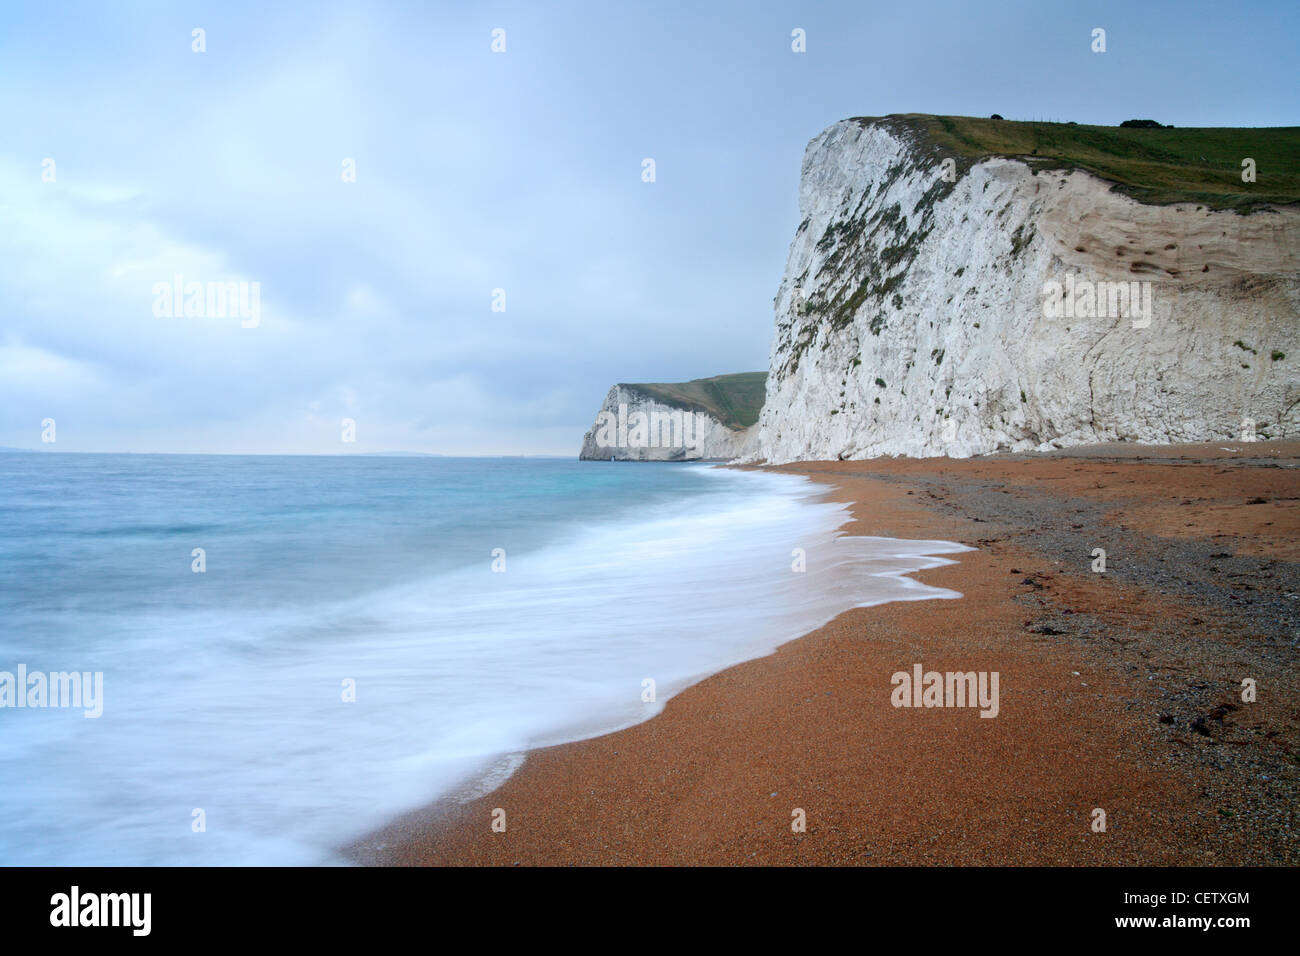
1153,166
734,400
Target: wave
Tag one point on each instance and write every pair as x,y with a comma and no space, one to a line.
244,715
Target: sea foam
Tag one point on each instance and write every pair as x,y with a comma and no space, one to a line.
233,704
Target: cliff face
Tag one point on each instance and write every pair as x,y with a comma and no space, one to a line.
633,425
936,306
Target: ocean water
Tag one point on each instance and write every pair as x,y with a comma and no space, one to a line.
224,691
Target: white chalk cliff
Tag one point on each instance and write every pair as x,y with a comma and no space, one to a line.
633,426
911,318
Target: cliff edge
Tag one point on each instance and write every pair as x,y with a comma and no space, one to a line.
706,418
941,300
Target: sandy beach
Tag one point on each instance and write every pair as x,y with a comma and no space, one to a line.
1119,691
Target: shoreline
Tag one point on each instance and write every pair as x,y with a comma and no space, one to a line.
1119,691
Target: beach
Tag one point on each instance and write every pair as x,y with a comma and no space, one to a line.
1121,691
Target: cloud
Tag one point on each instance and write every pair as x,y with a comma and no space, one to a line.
475,171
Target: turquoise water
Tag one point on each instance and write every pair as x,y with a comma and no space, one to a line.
224,691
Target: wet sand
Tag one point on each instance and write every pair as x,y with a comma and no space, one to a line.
1119,691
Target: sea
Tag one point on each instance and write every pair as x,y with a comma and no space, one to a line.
292,651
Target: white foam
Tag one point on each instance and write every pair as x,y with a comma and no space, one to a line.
457,676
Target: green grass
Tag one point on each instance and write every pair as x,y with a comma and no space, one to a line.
734,400
1155,166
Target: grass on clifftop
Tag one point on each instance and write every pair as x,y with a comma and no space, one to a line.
734,400
1156,166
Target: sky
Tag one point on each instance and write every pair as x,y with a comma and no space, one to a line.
128,158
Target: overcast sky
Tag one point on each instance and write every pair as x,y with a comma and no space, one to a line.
477,171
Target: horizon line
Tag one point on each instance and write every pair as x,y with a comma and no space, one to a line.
10,449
